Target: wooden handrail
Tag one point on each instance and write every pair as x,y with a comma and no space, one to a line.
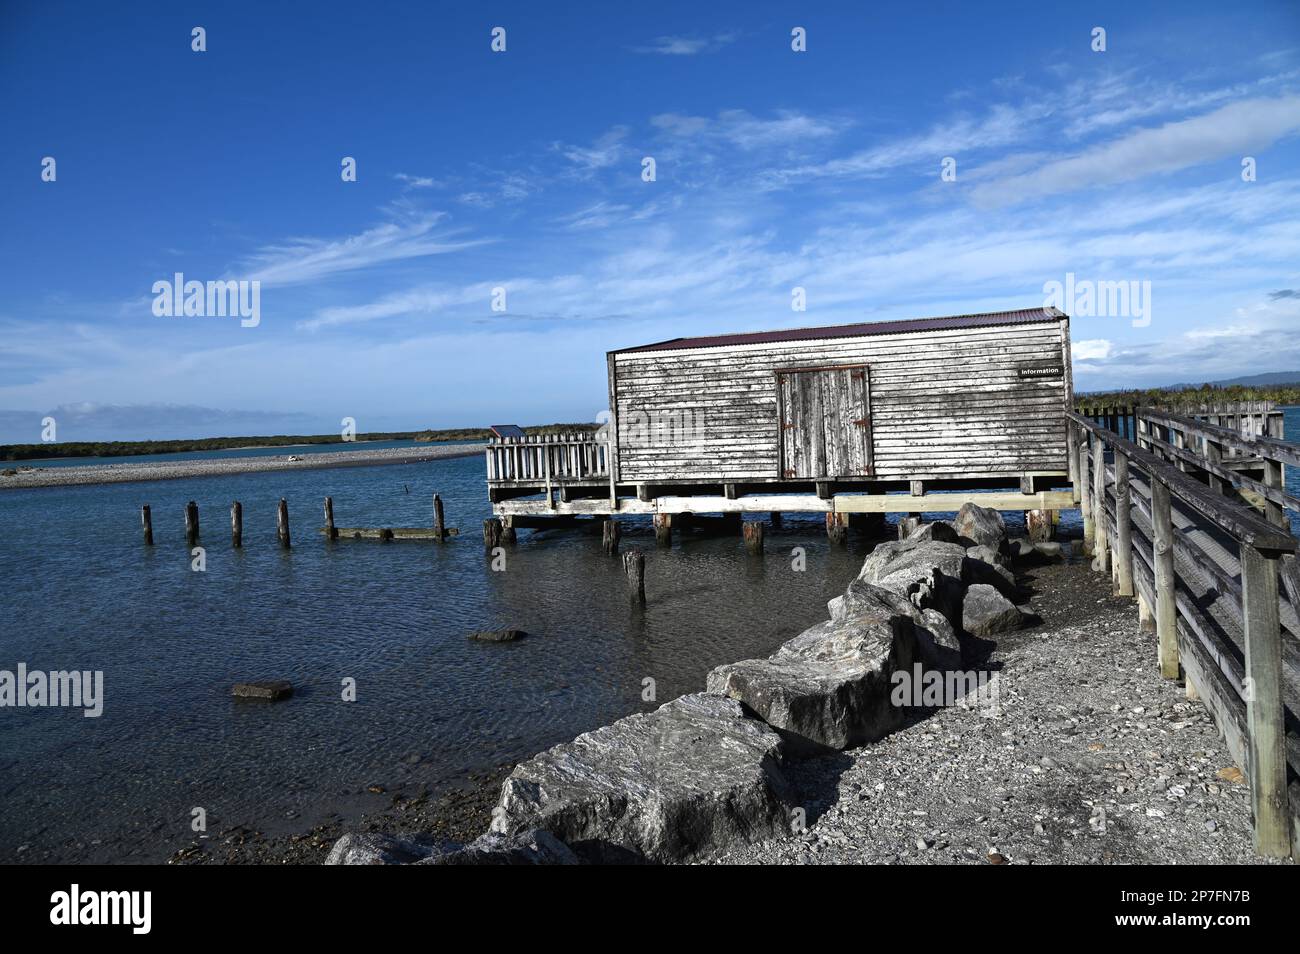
1286,452
1241,522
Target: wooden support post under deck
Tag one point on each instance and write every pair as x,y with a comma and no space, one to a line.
1264,715
282,523
507,530
331,531
917,488
1123,527
837,528
634,567
492,533
663,523
1039,526
907,524
191,523
1099,535
439,519
1146,621
236,525
609,536
146,523
1166,609
753,533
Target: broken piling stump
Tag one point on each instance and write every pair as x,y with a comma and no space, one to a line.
331,532
837,528
609,536
439,524
753,534
272,690
1039,526
191,523
282,523
634,567
492,533
146,521
236,525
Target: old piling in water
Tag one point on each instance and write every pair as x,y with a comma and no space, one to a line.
634,567
331,532
753,534
663,529
282,523
146,522
508,530
191,523
439,524
236,525
907,524
1039,526
492,533
837,528
609,536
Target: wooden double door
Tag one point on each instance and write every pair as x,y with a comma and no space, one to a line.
825,422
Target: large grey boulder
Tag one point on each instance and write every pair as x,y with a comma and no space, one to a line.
366,848
927,572
986,612
938,531
829,686
982,526
935,638
525,848
691,778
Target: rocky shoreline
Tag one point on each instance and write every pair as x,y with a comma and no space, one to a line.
25,477
1049,737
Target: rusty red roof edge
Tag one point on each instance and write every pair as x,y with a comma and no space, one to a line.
1021,316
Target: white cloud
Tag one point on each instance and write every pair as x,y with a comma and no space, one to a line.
1095,349
685,45
745,131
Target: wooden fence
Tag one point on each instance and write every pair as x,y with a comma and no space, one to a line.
553,459
1205,568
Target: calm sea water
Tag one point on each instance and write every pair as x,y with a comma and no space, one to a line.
299,449
82,592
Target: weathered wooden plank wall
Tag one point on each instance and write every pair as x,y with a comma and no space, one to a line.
944,403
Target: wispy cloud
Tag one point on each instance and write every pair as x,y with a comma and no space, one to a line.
743,130
299,260
686,45
1234,130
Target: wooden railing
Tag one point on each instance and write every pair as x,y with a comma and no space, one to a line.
1116,417
551,459
1129,510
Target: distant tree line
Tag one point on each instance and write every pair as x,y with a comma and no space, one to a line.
139,448
1280,394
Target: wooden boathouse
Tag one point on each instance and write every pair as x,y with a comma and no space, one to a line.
883,417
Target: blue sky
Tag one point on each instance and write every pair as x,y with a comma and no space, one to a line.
522,170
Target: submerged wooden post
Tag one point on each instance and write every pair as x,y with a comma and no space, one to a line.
753,533
331,532
146,521
439,524
1163,550
609,535
1123,527
837,528
236,524
1039,526
191,523
282,523
492,533
508,529
1266,731
634,567
663,523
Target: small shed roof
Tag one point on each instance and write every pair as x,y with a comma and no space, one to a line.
1021,316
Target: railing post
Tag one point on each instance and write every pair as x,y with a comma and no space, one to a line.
1263,692
1274,512
1163,550
1085,493
1214,454
1099,535
1072,457
1123,526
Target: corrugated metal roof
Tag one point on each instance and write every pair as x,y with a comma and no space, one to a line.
1022,316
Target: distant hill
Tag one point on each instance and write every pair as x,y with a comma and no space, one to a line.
1259,380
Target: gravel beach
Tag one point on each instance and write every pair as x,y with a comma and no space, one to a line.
176,469
1095,759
